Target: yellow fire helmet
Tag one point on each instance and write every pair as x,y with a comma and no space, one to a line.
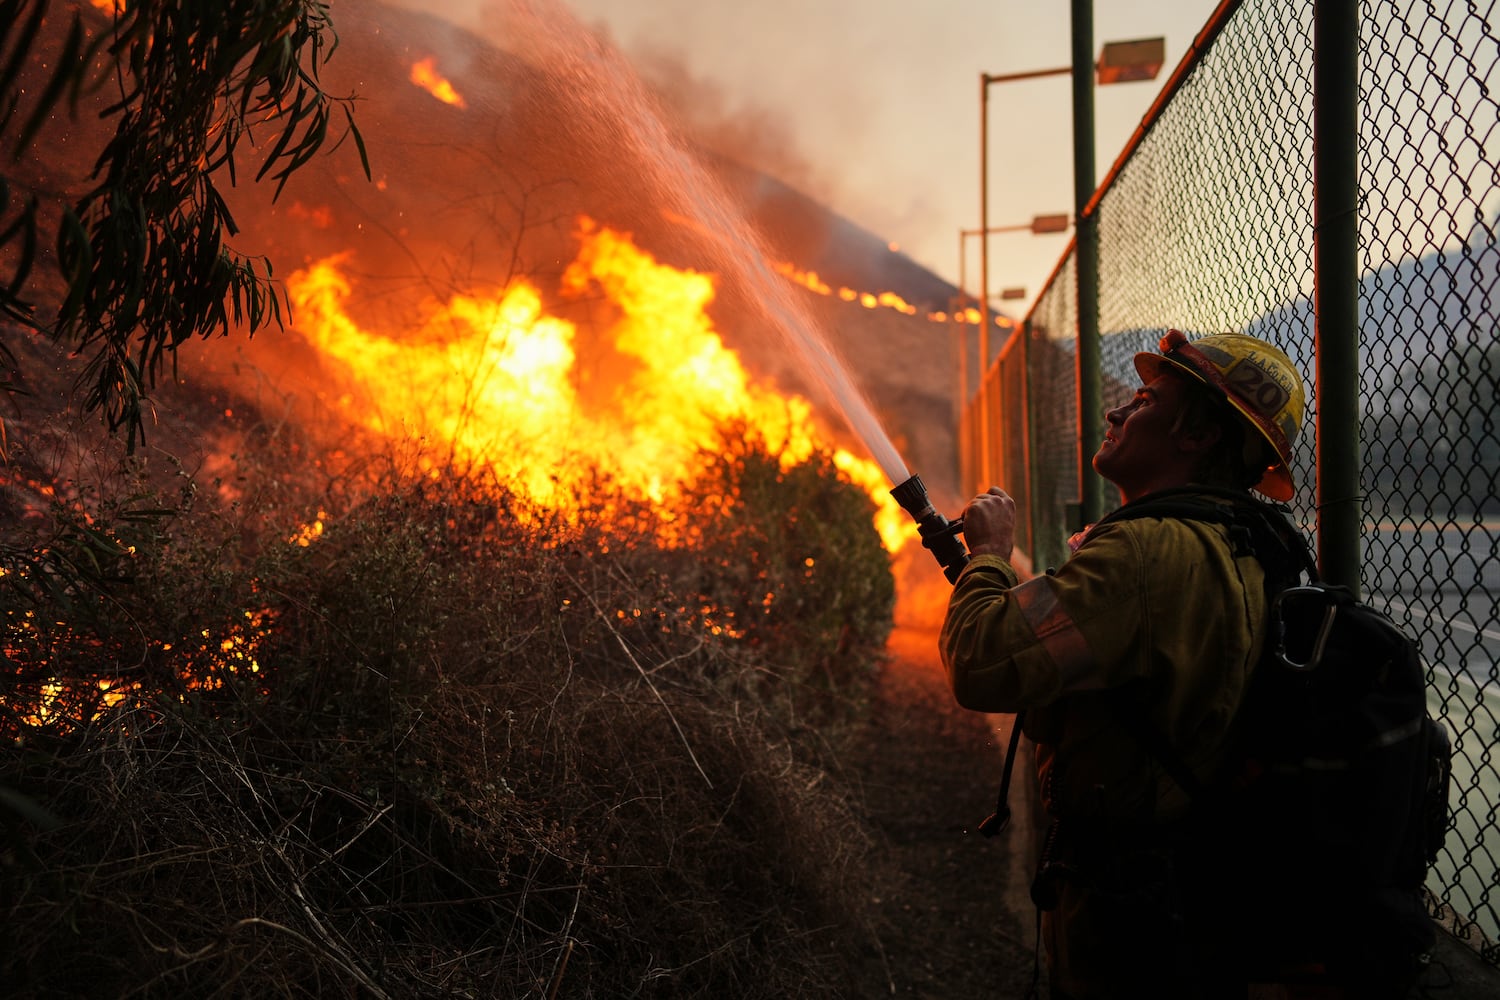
1257,378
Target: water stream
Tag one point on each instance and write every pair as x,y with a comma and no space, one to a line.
614,109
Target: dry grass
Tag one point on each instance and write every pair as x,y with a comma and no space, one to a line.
484,750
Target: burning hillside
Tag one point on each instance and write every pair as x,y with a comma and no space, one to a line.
489,379
458,300
483,162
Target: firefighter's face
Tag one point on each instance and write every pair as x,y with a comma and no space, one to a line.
1140,451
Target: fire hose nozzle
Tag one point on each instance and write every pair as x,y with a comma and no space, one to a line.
939,535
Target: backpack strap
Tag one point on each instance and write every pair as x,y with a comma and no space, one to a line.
1256,527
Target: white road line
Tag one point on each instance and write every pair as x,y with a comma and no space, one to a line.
1488,633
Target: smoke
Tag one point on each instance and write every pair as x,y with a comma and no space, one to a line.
714,116
757,137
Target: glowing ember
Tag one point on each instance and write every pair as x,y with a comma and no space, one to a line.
309,533
425,75
875,300
321,216
488,378
807,279
203,664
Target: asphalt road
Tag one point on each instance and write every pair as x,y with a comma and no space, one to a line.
1442,583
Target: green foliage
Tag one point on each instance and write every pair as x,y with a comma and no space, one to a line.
454,745
792,561
142,252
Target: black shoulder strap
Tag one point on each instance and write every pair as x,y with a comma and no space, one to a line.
1257,527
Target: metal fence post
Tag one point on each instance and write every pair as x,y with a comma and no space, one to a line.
986,469
1091,493
1336,285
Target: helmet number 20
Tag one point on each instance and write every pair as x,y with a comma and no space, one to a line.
1252,384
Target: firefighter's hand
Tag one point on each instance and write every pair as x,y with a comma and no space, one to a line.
990,524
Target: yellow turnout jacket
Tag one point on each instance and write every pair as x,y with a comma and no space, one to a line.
1151,616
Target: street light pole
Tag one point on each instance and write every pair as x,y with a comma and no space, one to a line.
1090,391
984,278
985,79
1119,62
960,323
1039,224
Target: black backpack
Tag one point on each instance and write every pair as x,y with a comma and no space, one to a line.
1309,850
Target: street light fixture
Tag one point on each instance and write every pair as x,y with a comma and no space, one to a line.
1127,62
1119,62
1051,223
1039,225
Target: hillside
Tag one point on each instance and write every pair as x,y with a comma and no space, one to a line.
475,195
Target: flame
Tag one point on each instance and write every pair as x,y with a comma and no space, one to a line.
203,664
425,75
489,377
870,300
880,300
813,282
309,533
492,379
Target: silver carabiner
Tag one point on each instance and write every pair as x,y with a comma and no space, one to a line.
1325,629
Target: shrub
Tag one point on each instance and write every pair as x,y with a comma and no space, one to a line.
455,745
791,557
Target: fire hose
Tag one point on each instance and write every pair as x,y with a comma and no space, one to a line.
940,537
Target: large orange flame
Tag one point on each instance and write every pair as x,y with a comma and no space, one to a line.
490,378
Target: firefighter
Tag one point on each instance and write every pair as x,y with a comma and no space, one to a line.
1152,625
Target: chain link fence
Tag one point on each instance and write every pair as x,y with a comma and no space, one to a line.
1206,224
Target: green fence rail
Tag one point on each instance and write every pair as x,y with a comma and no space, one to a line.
1208,222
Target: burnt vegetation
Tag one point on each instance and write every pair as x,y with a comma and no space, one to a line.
453,745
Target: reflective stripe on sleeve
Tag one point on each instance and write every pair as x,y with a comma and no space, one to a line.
1057,633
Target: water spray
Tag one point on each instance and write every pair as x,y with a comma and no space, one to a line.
939,535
